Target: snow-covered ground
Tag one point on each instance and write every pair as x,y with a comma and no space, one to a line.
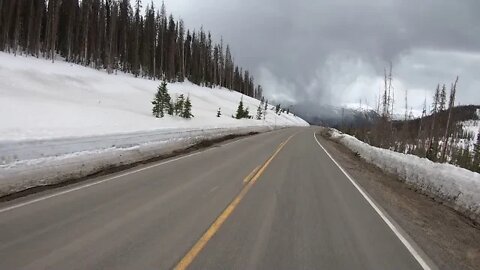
472,127
59,120
457,186
40,99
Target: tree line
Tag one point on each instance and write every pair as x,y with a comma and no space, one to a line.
437,135
113,35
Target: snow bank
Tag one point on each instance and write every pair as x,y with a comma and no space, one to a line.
457,186
54,161
60,120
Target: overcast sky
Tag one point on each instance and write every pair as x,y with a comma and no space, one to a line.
311,52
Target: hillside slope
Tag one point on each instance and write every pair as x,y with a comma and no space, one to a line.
40,99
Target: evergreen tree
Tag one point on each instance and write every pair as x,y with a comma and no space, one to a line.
436,100
260,110
187,109
442,99
179,104
170,108
167,100
246,114
240,110
277,109
265,109
157,104
219,112
162,101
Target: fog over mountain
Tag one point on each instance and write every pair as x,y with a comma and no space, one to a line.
312,53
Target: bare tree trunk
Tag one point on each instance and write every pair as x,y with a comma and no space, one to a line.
450,107
6,26
31,17
113,29
183,58
391,91
155,37
18,25
55,28
38,30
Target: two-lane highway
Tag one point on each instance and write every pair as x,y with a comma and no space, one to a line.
269,201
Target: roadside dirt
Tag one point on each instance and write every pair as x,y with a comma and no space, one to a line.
448,238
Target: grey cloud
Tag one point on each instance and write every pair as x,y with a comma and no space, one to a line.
313,52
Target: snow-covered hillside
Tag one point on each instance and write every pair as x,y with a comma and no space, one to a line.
61,120
40,99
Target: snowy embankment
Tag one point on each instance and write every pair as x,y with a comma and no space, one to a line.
459,187
60,120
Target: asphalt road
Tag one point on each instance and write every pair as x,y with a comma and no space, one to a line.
269,201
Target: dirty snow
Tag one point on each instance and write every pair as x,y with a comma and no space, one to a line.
457,186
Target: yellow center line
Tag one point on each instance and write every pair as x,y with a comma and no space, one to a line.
195,250
251,174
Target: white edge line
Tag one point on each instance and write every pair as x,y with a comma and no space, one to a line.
9,208
395,230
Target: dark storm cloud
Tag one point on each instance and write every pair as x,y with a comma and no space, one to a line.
311,51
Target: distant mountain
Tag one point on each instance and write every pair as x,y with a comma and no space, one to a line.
333,116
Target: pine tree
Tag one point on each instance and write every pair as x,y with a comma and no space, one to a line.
219,112
157,104
436,100
246,114
179,104
265,109
170,108
259,110
240,110
162,101
187,109
167,100
442,102
278,109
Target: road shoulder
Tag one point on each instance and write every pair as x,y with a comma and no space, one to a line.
122,167
449,239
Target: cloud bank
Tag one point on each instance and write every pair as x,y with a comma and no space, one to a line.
310,52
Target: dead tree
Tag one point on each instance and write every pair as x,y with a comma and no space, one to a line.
450,107
430,150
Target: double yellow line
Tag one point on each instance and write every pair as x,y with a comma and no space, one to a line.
249,180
